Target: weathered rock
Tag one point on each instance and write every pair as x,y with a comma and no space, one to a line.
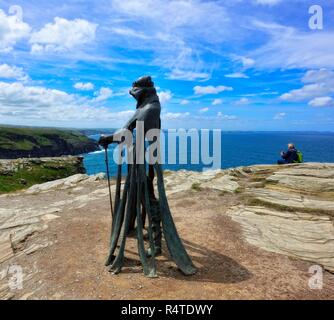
309,178
58,184
290,201
212,179
302,235
6,251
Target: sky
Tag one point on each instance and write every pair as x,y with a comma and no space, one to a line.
232,65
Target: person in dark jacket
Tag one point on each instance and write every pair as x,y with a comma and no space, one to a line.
290,156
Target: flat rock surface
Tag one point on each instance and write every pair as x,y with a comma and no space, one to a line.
251,233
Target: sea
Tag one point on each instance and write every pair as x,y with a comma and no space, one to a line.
239,149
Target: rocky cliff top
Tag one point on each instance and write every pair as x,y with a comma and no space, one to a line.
253,232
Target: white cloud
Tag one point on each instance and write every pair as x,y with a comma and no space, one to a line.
12,72
318,83
165,96
237,75
280,116
63,35
174,116
222,116
246,62
203,110
322,102
43,105
217,102
177,74
178,27
322,75
103,94
184,102
128,32
12,30
211,89
84,86
268,2
241,102
289,48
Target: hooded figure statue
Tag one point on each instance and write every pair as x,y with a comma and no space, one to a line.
137,199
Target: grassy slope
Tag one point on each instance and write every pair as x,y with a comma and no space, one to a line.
28,138
35,174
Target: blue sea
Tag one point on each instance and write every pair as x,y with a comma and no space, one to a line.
243,149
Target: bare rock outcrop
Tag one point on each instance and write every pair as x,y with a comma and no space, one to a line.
290,211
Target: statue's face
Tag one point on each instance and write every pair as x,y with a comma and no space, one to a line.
135,92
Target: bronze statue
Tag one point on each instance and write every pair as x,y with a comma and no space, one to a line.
138,197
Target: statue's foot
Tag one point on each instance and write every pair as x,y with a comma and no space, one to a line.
157,252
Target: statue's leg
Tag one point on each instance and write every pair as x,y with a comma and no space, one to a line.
118,221
132,203
155,216
173,241
149,265
119,260
118,187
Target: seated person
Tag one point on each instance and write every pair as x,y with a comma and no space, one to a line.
290,156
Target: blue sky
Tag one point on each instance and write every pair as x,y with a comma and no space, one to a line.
235,65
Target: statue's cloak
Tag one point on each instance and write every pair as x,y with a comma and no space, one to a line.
137,199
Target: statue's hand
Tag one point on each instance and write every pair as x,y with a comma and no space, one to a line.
104,141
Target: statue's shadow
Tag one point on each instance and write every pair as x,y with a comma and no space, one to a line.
211,266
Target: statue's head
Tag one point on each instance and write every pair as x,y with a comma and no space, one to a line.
143,82
142,87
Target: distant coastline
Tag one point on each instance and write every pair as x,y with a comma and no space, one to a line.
28,142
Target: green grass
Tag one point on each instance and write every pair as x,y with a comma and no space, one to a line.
35,174
28,138
262,203
196,186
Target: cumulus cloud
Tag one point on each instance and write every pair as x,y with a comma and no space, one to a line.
12,30
51,106
217,102
237,75
246,62
84,86
280,116
241,102
322,102
203,110
318,83
268,2
222,116
165,96
63,35
189,75
175,115
211,90
184,102
103,94
12,72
